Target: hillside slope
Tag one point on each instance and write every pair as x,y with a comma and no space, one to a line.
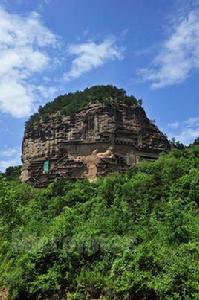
132,236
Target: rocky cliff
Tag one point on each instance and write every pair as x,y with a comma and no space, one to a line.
103,137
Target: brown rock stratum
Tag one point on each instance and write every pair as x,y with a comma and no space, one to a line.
94,142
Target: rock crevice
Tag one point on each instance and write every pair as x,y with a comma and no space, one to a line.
100,139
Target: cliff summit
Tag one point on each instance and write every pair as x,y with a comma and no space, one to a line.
88,134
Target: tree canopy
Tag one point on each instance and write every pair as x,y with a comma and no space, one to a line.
74,102
13,172
129,236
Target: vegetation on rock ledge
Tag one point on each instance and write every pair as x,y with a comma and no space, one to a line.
132,236
74,102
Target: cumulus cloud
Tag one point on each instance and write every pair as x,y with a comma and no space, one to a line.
185,131
91,55
179,54
27,52
24,52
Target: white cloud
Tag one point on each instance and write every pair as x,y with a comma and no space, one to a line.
186,131
27,54
8,163
9,152
42,4
174,125
9,157
91,55
192,122
24,52
179,54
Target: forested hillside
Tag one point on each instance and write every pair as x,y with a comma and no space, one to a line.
71,103
132,236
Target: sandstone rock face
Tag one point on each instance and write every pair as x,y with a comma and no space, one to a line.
3,294
100,139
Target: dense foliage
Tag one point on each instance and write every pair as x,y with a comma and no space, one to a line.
13,172
73,102
132,236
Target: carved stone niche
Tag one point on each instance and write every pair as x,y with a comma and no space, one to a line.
94,142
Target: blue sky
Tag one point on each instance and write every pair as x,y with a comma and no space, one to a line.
51,47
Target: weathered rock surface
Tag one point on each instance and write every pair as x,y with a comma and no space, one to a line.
3,294
100,139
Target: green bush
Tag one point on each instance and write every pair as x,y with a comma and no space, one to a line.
129,236
71,103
